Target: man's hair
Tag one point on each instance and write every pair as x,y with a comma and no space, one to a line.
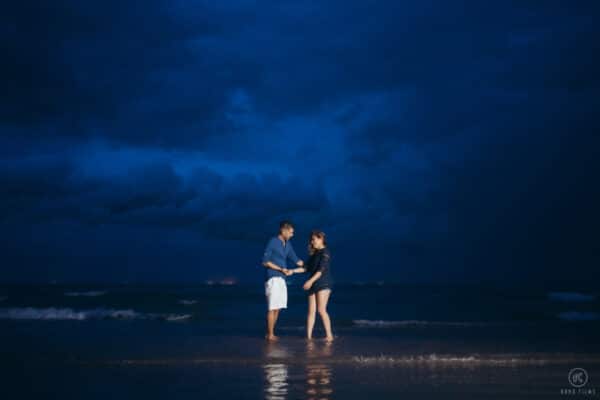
285,224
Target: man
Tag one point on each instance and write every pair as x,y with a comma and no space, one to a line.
278,251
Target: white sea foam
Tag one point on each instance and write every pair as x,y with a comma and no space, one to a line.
282,358
177,317
187,302
457,360
91,293
368,323
579,316
51,313
571,296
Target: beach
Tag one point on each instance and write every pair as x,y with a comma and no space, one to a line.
206,342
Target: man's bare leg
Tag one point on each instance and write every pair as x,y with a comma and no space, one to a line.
272,316
276,317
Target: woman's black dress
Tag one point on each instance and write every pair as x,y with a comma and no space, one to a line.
320,260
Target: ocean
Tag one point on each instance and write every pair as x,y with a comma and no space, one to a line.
206,341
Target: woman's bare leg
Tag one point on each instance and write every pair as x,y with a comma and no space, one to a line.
322,298
311,315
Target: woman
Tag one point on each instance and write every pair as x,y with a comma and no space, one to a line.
319,284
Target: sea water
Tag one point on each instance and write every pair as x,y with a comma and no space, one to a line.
206,341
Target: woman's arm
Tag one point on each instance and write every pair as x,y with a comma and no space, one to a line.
307,285
323,263
292,255
320,270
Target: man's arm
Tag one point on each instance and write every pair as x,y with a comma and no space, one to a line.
266,260
269,264
292,255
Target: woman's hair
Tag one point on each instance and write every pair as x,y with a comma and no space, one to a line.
318,233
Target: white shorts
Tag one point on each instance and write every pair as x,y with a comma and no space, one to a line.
276,292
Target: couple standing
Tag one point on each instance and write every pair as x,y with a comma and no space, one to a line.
318,286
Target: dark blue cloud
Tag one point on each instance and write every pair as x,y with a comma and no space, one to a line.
433,141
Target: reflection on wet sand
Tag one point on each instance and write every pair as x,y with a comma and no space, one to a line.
276,371
276,385
318,381
315,378
317,372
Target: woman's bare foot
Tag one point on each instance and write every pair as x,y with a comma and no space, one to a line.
329,339
271,337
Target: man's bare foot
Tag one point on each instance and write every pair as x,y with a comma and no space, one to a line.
271,337
309,338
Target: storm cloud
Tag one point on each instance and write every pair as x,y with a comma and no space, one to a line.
432,141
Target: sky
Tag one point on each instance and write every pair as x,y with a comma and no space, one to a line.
432,141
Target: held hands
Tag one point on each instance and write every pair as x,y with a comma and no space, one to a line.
287,272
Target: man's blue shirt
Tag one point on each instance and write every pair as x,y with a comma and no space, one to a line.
278,254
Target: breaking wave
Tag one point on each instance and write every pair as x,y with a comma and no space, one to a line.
579,316
571,296
368,323
472,359
51,313
383,360
91,293
187,302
